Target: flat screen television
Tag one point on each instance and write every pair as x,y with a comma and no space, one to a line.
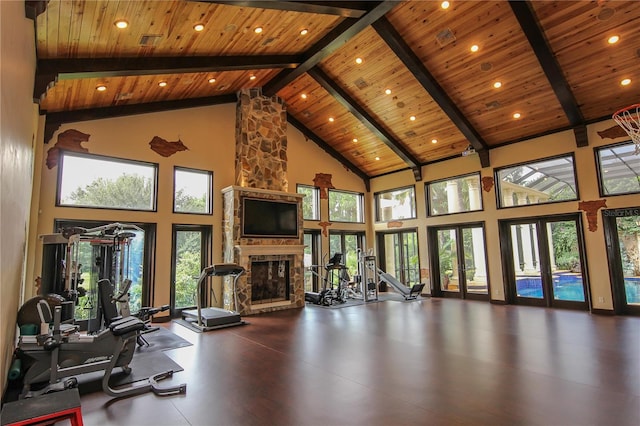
269,218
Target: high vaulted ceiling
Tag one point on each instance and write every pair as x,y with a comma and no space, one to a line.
419,95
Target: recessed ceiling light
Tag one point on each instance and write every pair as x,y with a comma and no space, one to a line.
613,39
412,118
257,30
516,115
331,119
626,82
162,84
252,77
121,23
434,140
497,85
101,87
377,158
212,80
304,31
198,27
358,61
445,5
355,140
474,48
388,91
303,96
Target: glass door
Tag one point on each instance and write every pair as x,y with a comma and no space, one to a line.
460,266
543,262
622,233
398,256
190,256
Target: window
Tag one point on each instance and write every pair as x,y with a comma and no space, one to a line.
455,195
192,191
618,169
190,256
86,180
545,181
346,206
396,204
350,244
310,203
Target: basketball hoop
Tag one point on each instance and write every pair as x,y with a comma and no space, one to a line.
629,119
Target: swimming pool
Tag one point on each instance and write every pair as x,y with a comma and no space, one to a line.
568,286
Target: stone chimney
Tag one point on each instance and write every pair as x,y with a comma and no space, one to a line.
261,141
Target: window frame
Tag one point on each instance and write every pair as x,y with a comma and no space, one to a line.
498,181
316,195
115,160
427,194
360,196
599,171
209,202
378,212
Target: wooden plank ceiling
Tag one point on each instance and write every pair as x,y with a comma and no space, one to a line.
419,95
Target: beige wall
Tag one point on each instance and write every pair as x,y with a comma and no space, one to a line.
209,133
17,127
556,144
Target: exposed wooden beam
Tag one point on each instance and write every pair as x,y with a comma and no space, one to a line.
370,122
55,119
49,71
329,150
33,8
336,38
393,39
526,17
346,9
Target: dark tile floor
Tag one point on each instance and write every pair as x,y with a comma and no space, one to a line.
432,361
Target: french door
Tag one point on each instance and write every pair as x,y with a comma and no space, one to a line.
543,262
398,255
622,234
458,261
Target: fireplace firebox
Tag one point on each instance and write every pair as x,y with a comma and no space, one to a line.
269,281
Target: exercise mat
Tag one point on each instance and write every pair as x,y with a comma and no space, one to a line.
142,366
161,340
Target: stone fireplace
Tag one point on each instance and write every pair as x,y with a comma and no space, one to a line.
270,262
274,263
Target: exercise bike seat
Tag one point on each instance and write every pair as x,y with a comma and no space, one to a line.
126,325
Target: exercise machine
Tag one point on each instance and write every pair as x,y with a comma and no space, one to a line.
409,293
55,356
367,276
212,318
334,283
105,250
372,273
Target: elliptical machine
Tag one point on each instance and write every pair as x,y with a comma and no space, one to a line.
332,292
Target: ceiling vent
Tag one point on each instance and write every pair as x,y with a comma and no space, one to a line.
606,14
486,66
411,134
150,40
269,41
493,105
124,96
445,37
361,84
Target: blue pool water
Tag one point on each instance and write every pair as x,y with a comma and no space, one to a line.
570,287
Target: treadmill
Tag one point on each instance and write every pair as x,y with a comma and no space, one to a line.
211,318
